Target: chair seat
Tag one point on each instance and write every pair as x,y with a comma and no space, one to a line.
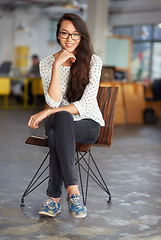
43,142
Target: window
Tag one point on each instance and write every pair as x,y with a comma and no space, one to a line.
156,61
52,30
157,32
143,32
146,62
123,31
141,60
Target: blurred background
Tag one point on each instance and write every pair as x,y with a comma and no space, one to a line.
126,34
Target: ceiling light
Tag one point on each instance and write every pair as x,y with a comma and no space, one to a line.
159,25
22,27
70,4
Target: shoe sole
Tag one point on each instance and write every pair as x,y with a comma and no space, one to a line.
78,216
46,214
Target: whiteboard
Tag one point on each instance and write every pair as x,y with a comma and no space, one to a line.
117,52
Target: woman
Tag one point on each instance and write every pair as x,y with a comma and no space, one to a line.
71,81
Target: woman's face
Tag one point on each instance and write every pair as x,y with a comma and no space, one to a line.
69,42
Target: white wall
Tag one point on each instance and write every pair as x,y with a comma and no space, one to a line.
36,38
7,37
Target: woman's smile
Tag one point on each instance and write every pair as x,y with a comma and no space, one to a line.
69,45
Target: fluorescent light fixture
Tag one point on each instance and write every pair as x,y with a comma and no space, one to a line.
159,25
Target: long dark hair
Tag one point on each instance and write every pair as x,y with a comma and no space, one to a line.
79,71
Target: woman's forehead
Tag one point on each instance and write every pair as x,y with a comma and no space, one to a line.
68,26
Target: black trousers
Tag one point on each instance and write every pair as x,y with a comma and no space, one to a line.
63,132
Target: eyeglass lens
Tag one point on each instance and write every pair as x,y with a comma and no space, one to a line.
74,36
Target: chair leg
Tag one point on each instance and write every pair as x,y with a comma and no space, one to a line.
104,183
30,188
97,177
84,195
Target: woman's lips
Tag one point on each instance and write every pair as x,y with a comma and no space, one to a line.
69,45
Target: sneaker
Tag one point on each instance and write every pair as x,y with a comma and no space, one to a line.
50,208
76,206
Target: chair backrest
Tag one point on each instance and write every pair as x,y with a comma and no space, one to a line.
37,87
5,86
107,97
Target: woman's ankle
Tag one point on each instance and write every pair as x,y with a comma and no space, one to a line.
57,200
73,189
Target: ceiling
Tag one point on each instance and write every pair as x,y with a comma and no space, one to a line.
15,4
115,6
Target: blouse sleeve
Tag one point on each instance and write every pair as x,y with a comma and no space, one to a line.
45,73
89,96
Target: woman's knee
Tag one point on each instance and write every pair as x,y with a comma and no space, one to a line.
59,121
62,117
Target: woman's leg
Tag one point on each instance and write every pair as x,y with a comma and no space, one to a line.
86,131
61,139
55,183
62,133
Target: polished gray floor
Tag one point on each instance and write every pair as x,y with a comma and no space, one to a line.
131,168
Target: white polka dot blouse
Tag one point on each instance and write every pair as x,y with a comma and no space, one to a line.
87,106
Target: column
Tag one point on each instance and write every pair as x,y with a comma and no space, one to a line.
97,25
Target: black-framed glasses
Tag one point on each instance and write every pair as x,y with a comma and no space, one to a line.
74,36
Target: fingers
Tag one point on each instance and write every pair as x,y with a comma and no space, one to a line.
33,123
70,55
73,60
37,118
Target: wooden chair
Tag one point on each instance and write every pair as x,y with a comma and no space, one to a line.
107,100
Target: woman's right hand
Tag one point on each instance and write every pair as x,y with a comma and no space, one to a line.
64,56
37,118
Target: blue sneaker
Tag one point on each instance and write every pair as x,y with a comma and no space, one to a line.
76,206
50,208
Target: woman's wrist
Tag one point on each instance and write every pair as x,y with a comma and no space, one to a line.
49,111
56,64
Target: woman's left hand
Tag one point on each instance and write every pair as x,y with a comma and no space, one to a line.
37,118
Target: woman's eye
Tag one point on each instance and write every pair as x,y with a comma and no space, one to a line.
76,34
64,33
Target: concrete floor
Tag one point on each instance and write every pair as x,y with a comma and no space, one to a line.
131,168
